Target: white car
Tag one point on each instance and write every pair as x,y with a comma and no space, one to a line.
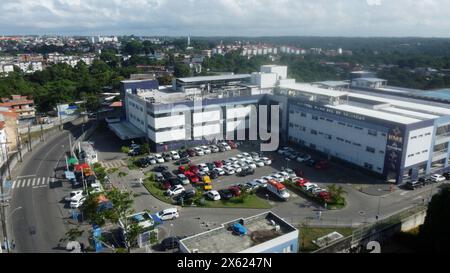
76,203
168,214
159,158
267,178
225,146
266,161
229,170
310,186
175,190
437,178
203,168
316,191
233,159
74,195
206,150
152,160
285,175
261,182
277,177
246,154
213,195
199,151
174,155
237,168
303,158
183,179
214,149
259,163
219,171
239,156
251,164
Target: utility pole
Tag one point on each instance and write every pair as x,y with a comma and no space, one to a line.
70,145
29,138
19,145
42,133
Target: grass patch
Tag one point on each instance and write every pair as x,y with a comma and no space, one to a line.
251,202
156,191
309,234
310,196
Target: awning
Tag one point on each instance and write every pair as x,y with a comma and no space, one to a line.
73,161
82,167
126,131
69,175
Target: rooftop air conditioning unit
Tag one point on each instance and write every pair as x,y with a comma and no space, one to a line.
195,250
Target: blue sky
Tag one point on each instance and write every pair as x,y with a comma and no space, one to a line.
426,18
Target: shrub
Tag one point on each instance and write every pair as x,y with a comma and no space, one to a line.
125,149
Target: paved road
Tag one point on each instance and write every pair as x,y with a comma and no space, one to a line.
39,223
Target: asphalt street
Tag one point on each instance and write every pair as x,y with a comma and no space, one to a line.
36,219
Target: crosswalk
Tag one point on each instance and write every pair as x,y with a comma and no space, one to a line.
32,182
113,164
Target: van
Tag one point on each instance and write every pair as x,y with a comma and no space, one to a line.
278,189
168,214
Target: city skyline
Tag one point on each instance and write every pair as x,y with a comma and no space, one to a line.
354,18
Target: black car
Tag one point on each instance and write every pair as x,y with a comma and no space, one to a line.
143,163
425,181
186,195
183,161
167,175
225,194
167,157
183,154
170,243
135,152
174,181
446,175
159,177
210,165
213,174
160,168
311,162
246,172
412,185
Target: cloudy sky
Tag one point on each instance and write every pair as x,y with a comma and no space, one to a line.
227,17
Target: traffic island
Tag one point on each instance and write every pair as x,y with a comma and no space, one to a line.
335,202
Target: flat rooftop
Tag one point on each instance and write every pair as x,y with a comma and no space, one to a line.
260,229
333,83
313,90
214,78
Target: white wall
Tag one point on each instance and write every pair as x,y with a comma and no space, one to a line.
238,112
167,136
235,125
419,146
281,71
348,151
264,80
166,122
136,112
207,116
207,130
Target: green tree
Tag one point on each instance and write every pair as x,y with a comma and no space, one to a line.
337,194
434,233
182,70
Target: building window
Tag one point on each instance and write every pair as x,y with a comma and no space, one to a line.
358,128
357,144
368,166
370,149
341,123
315,117
303,115
313,132
373,132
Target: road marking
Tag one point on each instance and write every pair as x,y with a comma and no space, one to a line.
13,184
403,193
38,187
417,198
26,176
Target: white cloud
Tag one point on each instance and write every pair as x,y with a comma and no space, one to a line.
228,17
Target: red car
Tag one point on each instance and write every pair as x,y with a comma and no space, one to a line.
232,144
235,190
218,164
323,164
192,177
301,181
182,169
193,168
325,196
166,185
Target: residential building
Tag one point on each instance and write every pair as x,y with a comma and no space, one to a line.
24,107
265,233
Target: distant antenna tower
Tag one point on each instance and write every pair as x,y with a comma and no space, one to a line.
189,40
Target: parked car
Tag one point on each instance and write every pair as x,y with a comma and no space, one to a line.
168,214
143,163
219,171
322,164
213,174
225,146
192,177
261,182
152,160
183,154
267,161
251,164
235,190
74,195
229,170
167,157
225,194
184,180
277,177
174,181
232,144
159,177
446,175
183,161
300,181
167,174
191,152
193,168
251,186
77,202
159,158
284,150
426,181
175,190
134,152
174,155
214,149
170,243
213,195
311,162
160,168
246,171
437,178
412,185
199,151
203,167
255,155
259,163
237,168
185,196
218,164
206,150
